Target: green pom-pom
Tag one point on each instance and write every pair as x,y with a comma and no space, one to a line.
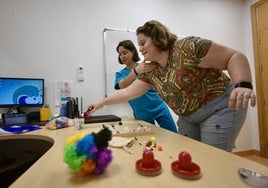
73,160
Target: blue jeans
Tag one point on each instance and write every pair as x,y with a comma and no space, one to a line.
214,124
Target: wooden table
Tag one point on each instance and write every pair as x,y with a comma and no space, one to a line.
218,168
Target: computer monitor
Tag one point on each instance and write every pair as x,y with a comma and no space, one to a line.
21,92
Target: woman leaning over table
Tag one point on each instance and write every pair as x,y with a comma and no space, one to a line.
189,77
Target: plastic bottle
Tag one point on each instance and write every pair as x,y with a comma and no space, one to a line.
45,113
63,108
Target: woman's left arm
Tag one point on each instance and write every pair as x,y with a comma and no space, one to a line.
237,65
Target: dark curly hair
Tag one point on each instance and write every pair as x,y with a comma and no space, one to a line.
128,44
160,34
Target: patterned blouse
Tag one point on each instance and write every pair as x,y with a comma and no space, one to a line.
184,85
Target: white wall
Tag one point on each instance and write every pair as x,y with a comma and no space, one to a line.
51,38
244,141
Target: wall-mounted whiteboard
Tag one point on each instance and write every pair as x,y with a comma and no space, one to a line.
111,39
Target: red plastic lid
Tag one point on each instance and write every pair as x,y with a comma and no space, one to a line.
150,171
148,165
193,172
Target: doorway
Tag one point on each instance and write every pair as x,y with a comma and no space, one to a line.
259,15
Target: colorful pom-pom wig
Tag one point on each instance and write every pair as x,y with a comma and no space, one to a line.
88,153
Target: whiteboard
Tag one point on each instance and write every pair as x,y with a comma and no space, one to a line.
111,39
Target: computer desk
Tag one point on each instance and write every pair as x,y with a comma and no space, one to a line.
218,168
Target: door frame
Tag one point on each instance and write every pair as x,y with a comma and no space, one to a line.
259,82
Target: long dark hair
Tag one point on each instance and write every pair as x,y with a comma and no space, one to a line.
160,34
128,44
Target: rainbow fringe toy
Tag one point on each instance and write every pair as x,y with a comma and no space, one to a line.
88,153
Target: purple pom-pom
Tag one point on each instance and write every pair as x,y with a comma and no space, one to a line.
103,159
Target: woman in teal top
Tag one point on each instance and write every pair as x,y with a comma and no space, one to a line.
148,107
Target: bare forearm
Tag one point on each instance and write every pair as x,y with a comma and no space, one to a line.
119,97
127,81
136,89
141,68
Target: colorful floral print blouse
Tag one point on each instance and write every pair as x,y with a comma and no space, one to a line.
184,85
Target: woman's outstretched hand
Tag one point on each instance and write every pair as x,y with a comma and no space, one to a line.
93,107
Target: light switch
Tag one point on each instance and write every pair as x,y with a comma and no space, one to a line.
81,75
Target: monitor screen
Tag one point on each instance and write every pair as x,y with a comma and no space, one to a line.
21,92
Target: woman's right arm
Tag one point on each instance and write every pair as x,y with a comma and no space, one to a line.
134,90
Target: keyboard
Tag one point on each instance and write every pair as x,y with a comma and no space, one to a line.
39,123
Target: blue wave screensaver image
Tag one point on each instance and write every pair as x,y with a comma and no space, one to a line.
21,91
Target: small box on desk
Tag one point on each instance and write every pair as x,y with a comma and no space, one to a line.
13,119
